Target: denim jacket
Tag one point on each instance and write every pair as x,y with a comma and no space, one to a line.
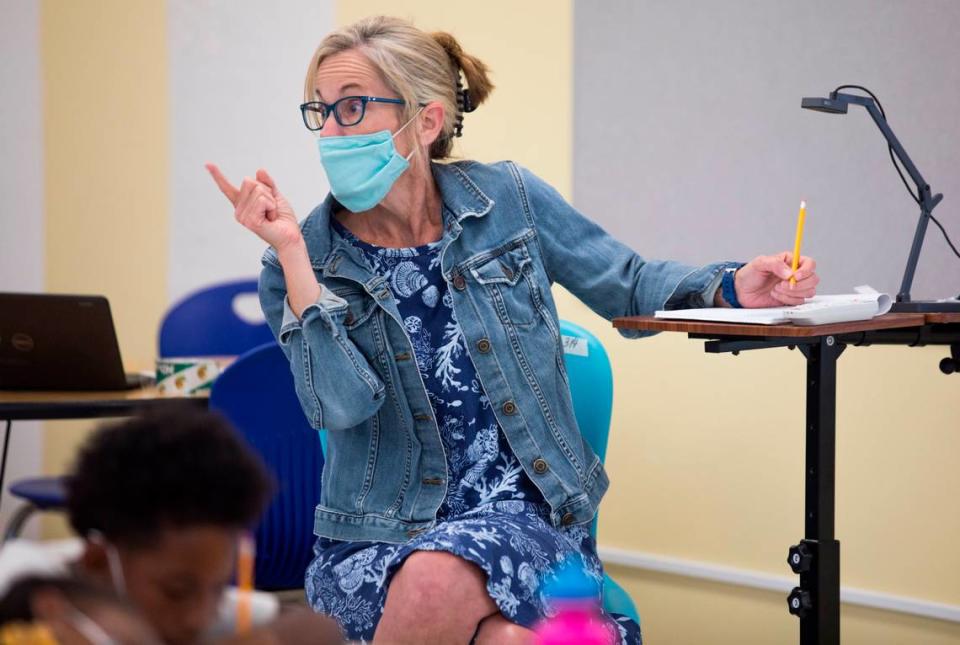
508,237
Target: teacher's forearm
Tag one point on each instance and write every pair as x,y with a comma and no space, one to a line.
302,287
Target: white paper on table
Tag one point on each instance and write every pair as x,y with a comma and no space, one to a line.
864,295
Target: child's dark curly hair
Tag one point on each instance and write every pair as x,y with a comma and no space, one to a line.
171,470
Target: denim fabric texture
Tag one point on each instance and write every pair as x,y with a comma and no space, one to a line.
508,236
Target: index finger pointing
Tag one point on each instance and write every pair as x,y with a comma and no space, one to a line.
229,190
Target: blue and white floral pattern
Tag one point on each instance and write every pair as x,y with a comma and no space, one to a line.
481,468
492,516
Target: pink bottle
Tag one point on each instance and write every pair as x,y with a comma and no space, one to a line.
579,619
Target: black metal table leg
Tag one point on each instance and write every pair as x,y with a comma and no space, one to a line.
817,559
3,457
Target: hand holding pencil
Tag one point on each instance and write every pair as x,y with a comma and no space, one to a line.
778,280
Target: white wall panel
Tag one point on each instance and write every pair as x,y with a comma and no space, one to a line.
21,184
236,81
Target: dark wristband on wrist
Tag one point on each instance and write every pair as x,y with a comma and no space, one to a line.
728,288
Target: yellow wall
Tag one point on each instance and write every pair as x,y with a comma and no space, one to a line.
106,133
681,611
527,45
106,156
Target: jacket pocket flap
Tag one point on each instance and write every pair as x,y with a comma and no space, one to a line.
504,268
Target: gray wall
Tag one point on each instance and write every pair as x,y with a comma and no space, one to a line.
21,149
22,256
690,144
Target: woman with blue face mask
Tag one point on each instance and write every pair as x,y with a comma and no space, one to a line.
414,305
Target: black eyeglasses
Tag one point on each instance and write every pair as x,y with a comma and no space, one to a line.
348,110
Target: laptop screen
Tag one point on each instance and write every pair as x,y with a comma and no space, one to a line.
58,342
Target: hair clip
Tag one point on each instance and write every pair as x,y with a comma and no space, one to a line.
465,101
462,98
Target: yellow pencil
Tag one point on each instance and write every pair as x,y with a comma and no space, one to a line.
245,555
796,244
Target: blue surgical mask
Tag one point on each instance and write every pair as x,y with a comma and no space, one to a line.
362,168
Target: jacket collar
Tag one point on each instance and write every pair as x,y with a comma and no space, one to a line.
460,195
458,192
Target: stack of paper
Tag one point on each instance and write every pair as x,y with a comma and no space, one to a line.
819,310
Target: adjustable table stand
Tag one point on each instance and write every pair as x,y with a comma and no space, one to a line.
817,557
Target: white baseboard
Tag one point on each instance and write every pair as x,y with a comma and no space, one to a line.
768,582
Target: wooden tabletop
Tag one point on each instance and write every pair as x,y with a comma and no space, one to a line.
38,405
64,396
886,321
79,404
943,318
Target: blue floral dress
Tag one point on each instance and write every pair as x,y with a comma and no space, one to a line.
492,516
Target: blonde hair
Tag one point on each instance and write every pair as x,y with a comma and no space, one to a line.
420,67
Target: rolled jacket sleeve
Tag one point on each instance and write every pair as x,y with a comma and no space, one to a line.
327,304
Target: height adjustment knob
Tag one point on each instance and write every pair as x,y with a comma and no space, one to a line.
800,558
799,602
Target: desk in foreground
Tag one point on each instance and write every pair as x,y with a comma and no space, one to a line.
817,557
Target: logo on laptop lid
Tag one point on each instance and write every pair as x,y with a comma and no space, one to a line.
22,342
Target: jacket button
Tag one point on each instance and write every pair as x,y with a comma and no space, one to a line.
422,417
402,356
414,533
459,283
483,345
568,519
432,481
540,466
348,319
509,407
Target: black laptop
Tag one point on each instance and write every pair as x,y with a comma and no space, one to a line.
60,342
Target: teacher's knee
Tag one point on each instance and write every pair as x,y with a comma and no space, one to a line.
436,581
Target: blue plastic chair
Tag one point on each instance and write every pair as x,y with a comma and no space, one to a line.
256,393
41,494
591,386
204,323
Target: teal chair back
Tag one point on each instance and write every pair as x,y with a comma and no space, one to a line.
591,387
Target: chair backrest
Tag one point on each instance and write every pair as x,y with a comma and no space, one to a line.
591,387
205,323
256,393
591,384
